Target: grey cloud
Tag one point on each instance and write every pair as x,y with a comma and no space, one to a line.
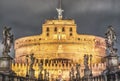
92,16
111,6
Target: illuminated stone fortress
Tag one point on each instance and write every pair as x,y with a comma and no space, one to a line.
59,47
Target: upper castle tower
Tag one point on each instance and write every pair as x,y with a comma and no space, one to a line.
60,40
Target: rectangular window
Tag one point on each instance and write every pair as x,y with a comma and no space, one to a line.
71,34
47,34
78,38
55,29
47,30
63,29
70,29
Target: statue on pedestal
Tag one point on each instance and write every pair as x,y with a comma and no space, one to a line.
32,60
78,72
40,77
60,11
71,74
6,60
7,40
46,75
31,70
86,58
87,70
110,38
112,63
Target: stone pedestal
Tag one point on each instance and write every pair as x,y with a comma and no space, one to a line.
6,65
77,77
31,73
87,72
40,77
112,63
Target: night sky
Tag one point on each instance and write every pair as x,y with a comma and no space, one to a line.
25,17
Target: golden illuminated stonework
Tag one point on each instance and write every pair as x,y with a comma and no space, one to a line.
59,47
60,40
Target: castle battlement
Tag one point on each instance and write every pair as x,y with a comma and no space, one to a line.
21,68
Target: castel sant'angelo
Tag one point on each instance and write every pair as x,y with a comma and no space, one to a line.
59,47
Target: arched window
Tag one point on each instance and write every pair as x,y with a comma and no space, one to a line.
70,29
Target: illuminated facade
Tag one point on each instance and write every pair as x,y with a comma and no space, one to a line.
60,40
59,47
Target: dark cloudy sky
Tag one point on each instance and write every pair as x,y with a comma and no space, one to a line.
25,17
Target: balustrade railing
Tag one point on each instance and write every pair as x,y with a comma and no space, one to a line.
104,77
4,77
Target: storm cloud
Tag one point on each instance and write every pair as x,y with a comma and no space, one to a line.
25,17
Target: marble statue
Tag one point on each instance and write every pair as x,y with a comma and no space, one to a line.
40,68
86,58
7,40
78,72
110,37
32,60
60,11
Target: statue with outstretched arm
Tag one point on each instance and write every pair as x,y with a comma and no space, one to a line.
7,40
